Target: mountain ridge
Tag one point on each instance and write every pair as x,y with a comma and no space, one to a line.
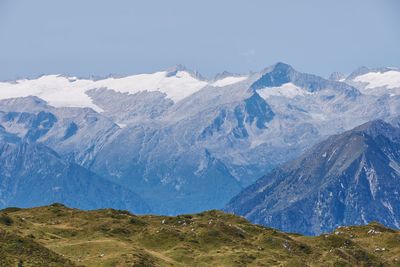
33,174
350,178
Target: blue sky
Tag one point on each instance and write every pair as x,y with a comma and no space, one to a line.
77,37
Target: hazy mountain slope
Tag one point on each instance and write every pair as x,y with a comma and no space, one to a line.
173,155
77,134
32,174
117,238
351,178
169,182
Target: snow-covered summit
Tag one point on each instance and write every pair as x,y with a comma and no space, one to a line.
61,91
175,83
378,81
388,79
228,80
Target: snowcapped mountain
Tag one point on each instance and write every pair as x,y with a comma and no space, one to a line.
348,179
184,143
378,81
59,91
32,174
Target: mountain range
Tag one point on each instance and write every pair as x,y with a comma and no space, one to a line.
183,143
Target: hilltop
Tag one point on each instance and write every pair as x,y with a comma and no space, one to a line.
61,236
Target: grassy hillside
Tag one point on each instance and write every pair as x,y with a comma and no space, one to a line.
59,236
18,251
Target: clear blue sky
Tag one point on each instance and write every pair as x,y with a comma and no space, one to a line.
83,37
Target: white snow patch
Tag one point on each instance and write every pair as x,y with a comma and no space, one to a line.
255,142
332,154
363,216
388,79
390,208
288,90
121,125
228,81
395,166
202,166
372,179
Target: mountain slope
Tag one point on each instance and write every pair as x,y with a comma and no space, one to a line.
18,251
77,134
32,174
117,238
351,178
